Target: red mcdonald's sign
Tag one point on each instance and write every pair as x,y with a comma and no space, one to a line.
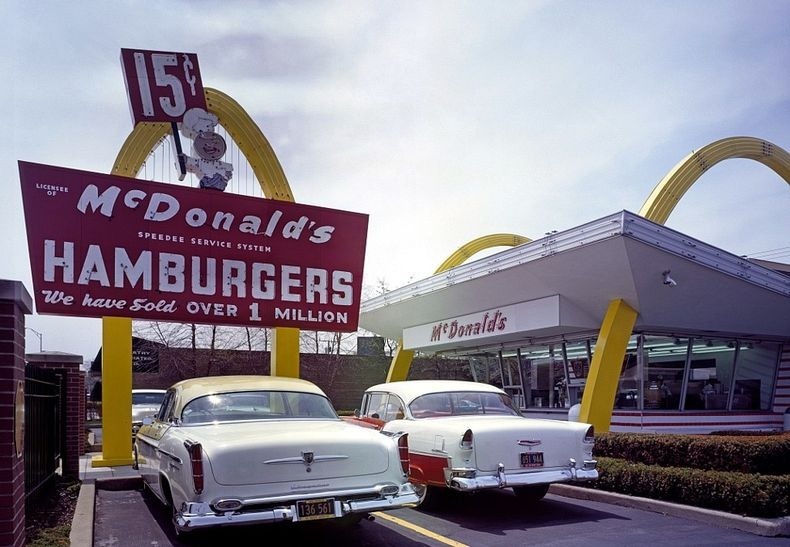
103,245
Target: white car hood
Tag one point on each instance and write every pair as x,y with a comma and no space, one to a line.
278,451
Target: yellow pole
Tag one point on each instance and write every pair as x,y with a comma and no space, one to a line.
116,363
401,362
285,352
607,362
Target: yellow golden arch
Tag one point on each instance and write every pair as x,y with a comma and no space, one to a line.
667,193
117,332
620,318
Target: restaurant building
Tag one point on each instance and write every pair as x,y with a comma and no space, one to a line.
709,343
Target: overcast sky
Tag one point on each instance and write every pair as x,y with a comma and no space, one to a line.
444,121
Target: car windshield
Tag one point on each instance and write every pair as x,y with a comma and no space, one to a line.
462,403
257,405
147,398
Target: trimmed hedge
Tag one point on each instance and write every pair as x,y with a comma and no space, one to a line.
739,493
763,454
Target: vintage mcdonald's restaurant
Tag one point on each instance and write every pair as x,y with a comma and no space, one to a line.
646,328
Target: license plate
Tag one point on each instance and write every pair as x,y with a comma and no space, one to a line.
532,459
316,509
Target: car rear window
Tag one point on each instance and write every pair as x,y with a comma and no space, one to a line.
460,403
257,405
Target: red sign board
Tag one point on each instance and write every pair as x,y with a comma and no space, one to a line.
161,85
103,245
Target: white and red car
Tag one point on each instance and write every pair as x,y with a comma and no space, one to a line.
255,449
469,436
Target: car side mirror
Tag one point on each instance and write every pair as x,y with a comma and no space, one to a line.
356,413
148,420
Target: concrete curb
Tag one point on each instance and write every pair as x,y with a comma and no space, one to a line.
81,534
761,527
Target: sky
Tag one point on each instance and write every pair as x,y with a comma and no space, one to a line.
443,121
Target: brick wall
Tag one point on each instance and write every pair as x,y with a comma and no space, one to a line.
15,303
74,434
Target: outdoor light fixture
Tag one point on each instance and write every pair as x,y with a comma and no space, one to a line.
668,280
40,336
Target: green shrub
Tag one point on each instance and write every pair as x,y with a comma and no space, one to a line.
740,493
764,454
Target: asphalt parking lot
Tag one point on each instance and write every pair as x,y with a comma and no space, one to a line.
114,511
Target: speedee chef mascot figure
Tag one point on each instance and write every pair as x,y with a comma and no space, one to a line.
208,146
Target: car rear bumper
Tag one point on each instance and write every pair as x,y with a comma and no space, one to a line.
195,516
468,479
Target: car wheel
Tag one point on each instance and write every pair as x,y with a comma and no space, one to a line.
173,511
531,493
427,496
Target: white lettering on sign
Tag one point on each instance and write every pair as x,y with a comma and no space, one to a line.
176,273
162,207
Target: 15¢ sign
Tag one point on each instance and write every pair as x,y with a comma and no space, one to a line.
161,85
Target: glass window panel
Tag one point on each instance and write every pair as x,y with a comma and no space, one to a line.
755,376
544,370
628,384
710,375
578,354
665,357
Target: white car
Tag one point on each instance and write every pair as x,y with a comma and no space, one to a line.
469,436
232,450
145,403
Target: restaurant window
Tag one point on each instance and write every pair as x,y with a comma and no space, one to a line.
754,375
710,375
578,356
665,359
628,384
544,369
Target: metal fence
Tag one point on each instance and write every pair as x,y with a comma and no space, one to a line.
45,397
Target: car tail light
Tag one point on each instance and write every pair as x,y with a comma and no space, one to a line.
589,437
403,451
466,440
196,460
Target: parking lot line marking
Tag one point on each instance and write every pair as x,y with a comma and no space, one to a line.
420,530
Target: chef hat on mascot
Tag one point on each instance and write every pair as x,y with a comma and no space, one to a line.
196,121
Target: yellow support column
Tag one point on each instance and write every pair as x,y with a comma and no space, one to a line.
285,352
401,362
607,362
116,364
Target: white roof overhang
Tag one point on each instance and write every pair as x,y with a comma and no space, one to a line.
563,283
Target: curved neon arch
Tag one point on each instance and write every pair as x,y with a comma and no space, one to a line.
476,245
145,137
667,193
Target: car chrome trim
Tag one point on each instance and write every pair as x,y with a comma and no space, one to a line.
455,479
529,442
301,459
371,491
195,516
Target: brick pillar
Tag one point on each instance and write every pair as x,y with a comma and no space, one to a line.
69,365
15,303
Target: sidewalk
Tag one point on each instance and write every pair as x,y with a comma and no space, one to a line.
121,477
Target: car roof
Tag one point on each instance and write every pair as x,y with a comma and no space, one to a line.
197,387
408,390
